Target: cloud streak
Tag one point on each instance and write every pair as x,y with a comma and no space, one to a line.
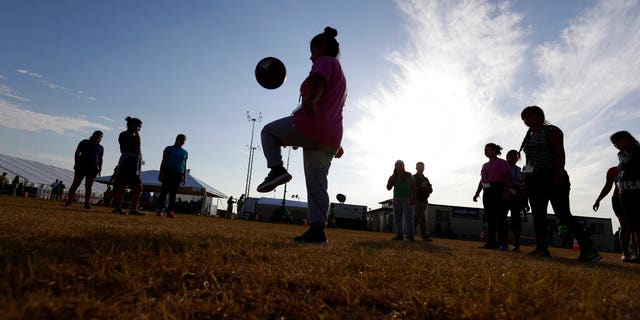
15,117
54,86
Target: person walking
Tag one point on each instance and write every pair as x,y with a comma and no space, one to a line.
494,183
88,165
626,236
629,179
173,172
316,126
546,180
404,197
423,191
129,167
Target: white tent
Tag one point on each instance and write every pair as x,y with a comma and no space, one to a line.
192,186
40,175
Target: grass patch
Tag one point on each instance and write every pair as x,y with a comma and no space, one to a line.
66,263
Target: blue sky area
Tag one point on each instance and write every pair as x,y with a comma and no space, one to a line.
430,81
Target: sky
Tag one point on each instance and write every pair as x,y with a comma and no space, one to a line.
430,81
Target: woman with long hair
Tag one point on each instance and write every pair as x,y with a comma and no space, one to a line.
629,178
546,181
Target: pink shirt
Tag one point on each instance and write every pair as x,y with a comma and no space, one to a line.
326,126
494,170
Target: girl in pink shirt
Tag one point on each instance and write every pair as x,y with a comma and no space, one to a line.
495,180
316,127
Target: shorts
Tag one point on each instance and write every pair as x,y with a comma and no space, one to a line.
128,171
85,170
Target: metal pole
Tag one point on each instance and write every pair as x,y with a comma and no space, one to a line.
284,195
251,150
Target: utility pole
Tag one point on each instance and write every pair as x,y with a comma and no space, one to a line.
252,149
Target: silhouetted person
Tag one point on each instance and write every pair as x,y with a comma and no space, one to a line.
423,190
230,203
129,167
629,179
404,197
14,185
88,165
316,127
173,172
546,180
494,183
517,202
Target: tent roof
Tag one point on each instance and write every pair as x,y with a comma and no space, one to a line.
278,202
192,186
38,173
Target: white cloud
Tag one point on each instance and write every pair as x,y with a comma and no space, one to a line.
106,118
442,106
591,89
29,73
15,117
8,92
458,87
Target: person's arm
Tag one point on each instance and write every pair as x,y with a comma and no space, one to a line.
413,188
557,146
184,174
316,84
163,164
391,181
478,189
76,156
100,163
605,190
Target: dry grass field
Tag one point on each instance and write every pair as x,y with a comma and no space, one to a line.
71,263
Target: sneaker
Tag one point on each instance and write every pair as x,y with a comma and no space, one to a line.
411,239
504,247
87,206
540,253
427,239
515,249
159,212
590,257
134,212
397,238
170,214
276,177
313,235
67,204
117,211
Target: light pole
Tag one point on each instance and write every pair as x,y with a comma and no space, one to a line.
251,151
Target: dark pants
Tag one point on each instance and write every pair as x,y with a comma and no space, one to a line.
170,184
630,200
496,213
542,190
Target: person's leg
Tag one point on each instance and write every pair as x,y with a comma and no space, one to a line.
136,189
489,203
538,189
516,223
625,235
274,136
630,200
561,207
316,169
419,218
408,218
88,186
77,179
118,193
398,217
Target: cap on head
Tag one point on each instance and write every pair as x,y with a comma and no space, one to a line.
399,162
